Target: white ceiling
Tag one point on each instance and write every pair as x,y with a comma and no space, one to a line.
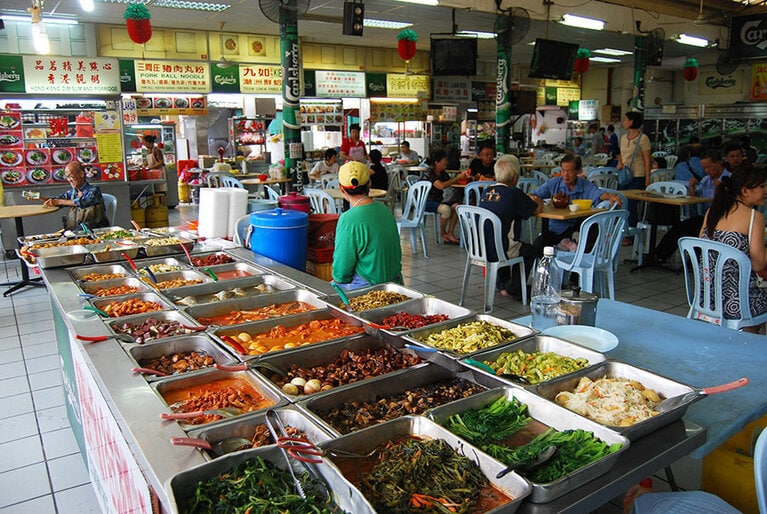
245,17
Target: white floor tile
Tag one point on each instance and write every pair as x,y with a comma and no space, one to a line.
9,341
45,379
67,472
52,419
41,349
47,398
23,484
21,453
12,369
11,355
14,386
40,505
46,363
59,443
14,405
81,500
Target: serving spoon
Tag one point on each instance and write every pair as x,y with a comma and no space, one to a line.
539,460
485,367
675,401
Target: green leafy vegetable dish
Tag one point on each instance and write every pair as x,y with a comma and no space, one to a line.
8,139
9,122
10,158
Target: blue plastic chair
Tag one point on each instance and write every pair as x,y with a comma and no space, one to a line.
600,258
110,206
704,261
412,215
760,471
321,202
473,220
698,502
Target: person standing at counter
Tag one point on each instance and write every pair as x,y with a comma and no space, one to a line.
368,250
86,205
154,157
352,149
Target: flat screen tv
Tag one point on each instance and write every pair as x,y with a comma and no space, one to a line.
453,56
552,59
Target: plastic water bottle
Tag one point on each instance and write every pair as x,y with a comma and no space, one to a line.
544,296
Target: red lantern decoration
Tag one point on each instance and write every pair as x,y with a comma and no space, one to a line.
581,64
691,69
406,41
137,22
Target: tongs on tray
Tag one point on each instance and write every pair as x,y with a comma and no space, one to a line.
309,482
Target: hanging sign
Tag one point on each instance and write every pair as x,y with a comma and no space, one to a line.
171,105
397,111
408,86
758,87
71,75
588,110
748,36
172,77
452,89
261,79
376,85
130,111
225,80
339,84
11,74
716,84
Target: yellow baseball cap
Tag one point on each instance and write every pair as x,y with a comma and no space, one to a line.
353,174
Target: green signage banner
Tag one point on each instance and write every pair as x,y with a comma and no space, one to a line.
11,74
127,75
572,110
375,85
225,80
551,95
310,86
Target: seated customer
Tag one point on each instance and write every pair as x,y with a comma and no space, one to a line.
512,206
378,177
406,154
327,166
481,168
368,247
86,205
440,180
575,187
734,220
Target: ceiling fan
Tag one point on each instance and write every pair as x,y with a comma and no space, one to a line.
703,19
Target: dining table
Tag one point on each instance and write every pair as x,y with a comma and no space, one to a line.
641,195
18,213
689,351
550,212
282,182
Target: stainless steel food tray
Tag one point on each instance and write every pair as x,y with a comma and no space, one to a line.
364,441
241,266
426,306
166,249
254,302
291,416
519,331
168,346
182,486
386,386
551,416
540,343
59,256
110,251
105,230
186,274
334,301
78,273
205,254
168,261
100,303
259,327
93,287
311,356
206,293
114,325
169,232
208,376
665,387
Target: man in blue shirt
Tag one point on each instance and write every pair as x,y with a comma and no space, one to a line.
84,200
576,188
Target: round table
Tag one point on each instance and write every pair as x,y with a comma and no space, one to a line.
17,212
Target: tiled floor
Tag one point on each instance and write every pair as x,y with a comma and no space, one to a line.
41,469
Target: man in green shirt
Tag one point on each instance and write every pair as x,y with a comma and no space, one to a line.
368,247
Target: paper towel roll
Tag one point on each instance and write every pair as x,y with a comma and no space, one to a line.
238,207
213,213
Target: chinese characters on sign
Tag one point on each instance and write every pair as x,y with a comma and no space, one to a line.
454,90
261,79
71,75
407,86
169,76
130,113
336,84
396,111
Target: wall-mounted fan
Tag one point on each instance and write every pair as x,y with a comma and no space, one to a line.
511,25
271,8
725,64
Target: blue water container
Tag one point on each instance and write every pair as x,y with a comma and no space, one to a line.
281,235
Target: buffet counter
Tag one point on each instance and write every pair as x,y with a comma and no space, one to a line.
115,414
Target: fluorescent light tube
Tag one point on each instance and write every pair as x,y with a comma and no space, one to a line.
581,22
692,40
422,2
385,24
48,19
476,33
603,59
611,51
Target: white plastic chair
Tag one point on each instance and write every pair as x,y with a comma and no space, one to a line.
600,159
704,262
601,257
604,180
330,184
662,175
110,206
326,179
671,160
321,202
659,153
395,187
231,182
242,231
271,194
214,179
473,221
643,227
412,215
528,185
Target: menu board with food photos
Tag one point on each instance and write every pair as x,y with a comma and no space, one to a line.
24,161
171,105
322,113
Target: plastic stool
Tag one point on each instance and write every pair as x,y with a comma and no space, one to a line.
688,502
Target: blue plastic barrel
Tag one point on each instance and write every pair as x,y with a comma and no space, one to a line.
280,235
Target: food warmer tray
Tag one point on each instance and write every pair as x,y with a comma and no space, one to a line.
111,251
113,269
184,274
259,327
334,301
426,306
169,232
385,386
178,344
93,287
291,416
113,324
57,256
181,486
213,288
244,267
206,254
551,416
311,356
100,303
172,384
520,332
165,249
254,302
540,343
168,261
370,438
665,387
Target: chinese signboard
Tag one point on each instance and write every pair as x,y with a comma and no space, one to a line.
407,86
71,75
170,76
261,79
339,84
452,89
588,110
397,111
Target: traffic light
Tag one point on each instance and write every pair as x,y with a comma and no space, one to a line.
354,17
